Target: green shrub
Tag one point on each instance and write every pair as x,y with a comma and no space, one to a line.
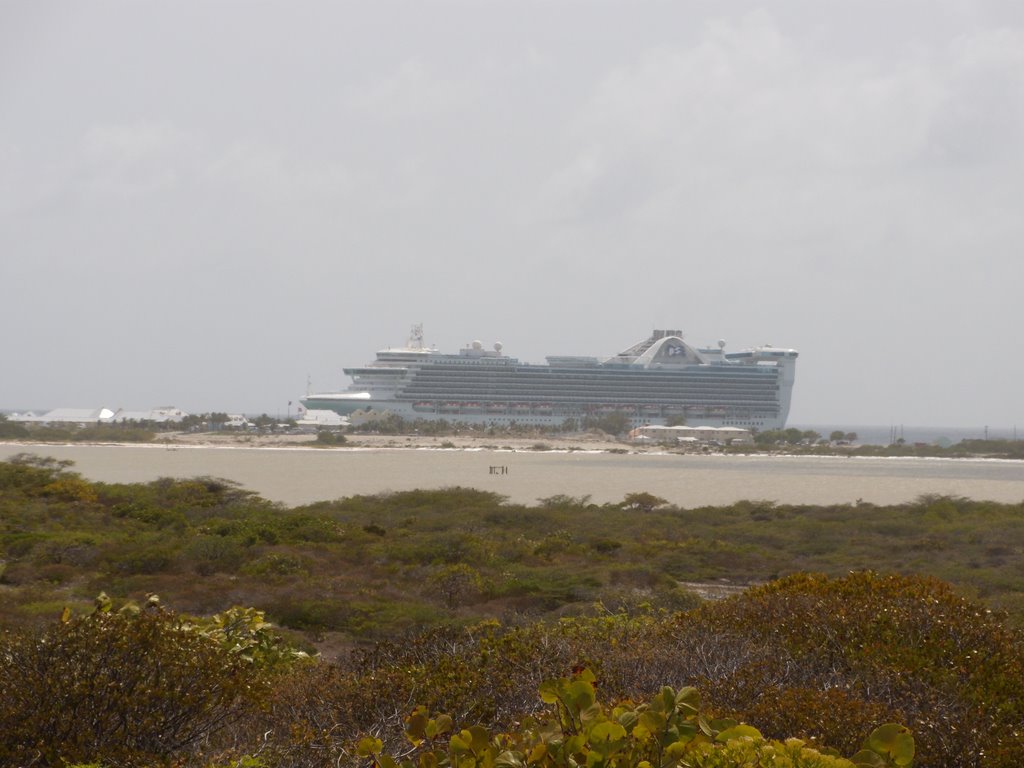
119,688
668,731
140,557
276,564
215,554
605,545
907,646
311,615
329,438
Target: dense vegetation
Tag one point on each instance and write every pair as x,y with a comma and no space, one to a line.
461,603
822,660
370,566
809,442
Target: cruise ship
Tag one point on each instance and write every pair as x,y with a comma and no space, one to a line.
660,379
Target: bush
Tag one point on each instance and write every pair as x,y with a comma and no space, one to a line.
277,565
147,557
670,730
215,554
121,688
311,615
906,646
327,437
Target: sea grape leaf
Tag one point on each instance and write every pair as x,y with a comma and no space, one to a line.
605,737
739,732
368,746
868,759
688,700
478,738
549,691
894,741
582,693
628,719
508,759
537,753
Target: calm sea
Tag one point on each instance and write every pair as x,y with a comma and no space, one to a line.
883,435
296,475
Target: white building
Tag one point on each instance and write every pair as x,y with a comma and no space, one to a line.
317,419
161,415
662,434
67,416
93,416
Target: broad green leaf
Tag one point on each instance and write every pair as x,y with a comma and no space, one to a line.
537,753
676,749
416,724
894,741
688,700
549,691
103,603
628,719
605,737
443,724
723,724
654,722
574,744
369,746
686,731
739,732
479,738
509,759
582,694
868,759
668,699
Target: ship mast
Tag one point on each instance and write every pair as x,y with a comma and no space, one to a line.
416,336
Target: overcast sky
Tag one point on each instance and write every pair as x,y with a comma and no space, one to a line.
202,202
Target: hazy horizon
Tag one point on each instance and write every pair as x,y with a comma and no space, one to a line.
203,203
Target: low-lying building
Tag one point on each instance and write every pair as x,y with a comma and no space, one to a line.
318,419
94,416
162,415
66,416
661,434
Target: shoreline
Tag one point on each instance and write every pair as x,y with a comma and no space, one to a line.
171,441
294,473
581,445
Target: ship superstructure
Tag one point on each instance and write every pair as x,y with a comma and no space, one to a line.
659,379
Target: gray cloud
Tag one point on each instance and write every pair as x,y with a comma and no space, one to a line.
200,203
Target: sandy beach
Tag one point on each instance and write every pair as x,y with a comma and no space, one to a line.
584,441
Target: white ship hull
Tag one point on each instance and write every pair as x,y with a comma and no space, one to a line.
655,381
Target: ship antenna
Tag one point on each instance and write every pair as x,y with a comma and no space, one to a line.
416,336
309,384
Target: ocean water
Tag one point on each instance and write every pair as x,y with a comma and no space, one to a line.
299,475
884,435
